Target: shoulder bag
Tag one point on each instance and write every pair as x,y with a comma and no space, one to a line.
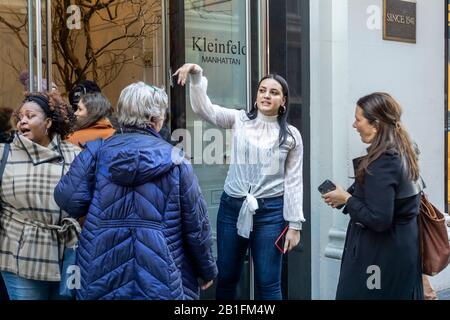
434,244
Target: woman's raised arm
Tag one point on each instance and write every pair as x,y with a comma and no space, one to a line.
200,102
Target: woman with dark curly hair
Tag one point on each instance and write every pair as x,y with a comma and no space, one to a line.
34,230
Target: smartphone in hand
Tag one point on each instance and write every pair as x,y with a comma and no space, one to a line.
279,243
326,187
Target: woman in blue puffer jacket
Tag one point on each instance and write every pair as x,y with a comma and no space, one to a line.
147,233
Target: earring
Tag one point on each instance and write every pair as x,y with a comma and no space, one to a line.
255,105
282,110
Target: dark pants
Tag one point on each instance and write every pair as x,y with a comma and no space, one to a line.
3,291
268,223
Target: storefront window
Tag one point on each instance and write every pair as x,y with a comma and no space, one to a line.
114,44
14,56
215,38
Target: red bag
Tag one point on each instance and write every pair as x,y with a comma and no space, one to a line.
434,245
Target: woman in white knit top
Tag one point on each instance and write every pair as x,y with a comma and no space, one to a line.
263,190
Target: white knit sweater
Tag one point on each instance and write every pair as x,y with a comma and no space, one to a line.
259,167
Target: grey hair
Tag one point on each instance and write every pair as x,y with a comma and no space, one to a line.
138,103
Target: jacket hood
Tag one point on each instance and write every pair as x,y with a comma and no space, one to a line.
134,159
37,153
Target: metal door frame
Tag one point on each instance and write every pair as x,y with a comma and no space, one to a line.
35,70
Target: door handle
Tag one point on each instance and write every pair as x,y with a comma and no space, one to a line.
170,77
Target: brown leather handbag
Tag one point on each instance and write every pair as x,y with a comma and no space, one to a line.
434,244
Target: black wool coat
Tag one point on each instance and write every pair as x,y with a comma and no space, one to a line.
381,258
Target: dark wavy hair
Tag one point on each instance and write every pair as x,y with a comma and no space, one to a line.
282,115
384,112
62,115
97,107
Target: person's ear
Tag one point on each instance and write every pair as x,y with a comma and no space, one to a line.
152,122
49,123
375,127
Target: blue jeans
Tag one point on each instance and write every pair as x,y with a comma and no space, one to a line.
268,223
25,289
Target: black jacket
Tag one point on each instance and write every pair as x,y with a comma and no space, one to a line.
6,137
381,257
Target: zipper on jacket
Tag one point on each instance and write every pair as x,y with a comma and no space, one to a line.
130,223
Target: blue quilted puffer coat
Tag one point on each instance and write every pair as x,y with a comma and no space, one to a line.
147,233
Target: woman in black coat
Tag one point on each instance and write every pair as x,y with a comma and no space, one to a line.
381,258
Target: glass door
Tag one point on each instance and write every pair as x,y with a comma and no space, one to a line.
213,34
23,38
56,44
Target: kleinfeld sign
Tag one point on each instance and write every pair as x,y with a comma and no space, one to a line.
219,51
399,23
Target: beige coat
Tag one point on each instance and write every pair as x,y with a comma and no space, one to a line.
32,239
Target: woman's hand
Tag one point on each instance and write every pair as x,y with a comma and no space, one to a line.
336,197
292,239
207,285
183,72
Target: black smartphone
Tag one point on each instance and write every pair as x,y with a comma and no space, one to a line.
326,187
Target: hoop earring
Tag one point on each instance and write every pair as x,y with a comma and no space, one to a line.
282,110
255,105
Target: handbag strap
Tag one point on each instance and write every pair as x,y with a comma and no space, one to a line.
4,160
